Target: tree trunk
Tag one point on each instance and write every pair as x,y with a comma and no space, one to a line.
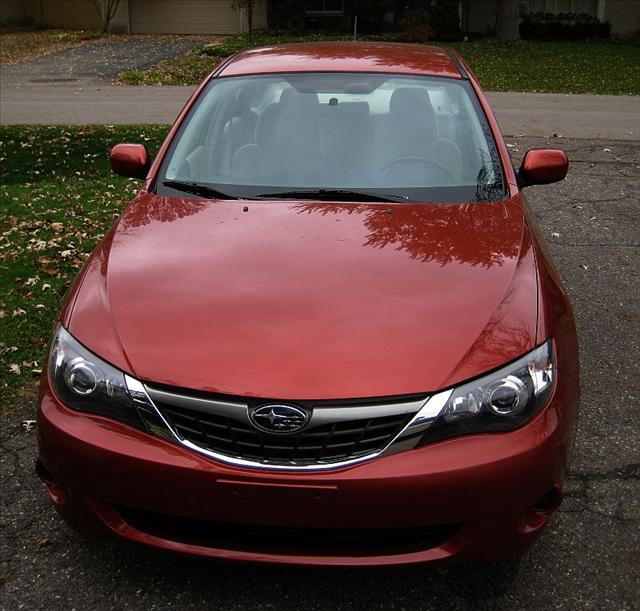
250,19
107,10
507,20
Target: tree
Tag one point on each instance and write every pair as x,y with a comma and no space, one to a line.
507,19
247,6
445,20
107,10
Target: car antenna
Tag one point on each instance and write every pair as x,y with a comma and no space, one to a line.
355,28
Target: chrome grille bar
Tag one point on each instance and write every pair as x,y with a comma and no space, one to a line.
335,437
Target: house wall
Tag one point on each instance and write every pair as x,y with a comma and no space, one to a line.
204,16
624,15
73,14
11,9
192,17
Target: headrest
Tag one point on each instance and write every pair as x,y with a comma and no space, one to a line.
291,123
299,101
246,95
412,115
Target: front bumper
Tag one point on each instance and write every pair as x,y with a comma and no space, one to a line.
481,493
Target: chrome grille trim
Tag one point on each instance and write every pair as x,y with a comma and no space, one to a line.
325,415
320,415
210,406
425,412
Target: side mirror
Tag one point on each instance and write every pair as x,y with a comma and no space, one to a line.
543,166
130,160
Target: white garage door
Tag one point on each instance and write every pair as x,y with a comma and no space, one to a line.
184,17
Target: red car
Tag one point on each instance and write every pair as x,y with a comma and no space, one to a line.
325,331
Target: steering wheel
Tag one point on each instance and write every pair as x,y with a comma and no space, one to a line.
443,171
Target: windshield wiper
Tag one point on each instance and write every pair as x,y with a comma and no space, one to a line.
196,188
342,195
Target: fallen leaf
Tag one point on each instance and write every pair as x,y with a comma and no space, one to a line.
14,368
28,425
56,226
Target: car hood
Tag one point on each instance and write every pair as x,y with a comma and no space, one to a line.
303,300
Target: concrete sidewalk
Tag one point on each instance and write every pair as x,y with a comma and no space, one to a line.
529,114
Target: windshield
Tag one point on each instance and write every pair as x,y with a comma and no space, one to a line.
360,136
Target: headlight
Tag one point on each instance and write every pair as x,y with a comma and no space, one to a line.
500,401
86,383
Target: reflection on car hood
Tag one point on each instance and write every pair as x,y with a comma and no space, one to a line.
309,300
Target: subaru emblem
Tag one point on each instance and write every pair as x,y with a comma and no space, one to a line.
277,418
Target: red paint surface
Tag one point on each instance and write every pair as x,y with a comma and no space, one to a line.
129,160
319,300
299,300
545,165
486,483
344,57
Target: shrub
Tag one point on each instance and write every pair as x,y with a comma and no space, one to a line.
15,23
445,20
415,26
238,42
563,26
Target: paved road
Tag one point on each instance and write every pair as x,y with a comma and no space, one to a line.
74,86
587,558
531,114
568,116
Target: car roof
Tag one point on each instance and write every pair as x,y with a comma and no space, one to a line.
341,56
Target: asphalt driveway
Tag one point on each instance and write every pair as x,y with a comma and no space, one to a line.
75,86
586,559
97,61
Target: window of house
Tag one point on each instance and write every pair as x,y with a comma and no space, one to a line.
589,7
324,7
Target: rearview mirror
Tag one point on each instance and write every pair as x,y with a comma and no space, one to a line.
543,166
130,160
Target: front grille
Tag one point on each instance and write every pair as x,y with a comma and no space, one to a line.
325,443
278,539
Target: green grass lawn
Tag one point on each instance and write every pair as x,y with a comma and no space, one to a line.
565,67
58,197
